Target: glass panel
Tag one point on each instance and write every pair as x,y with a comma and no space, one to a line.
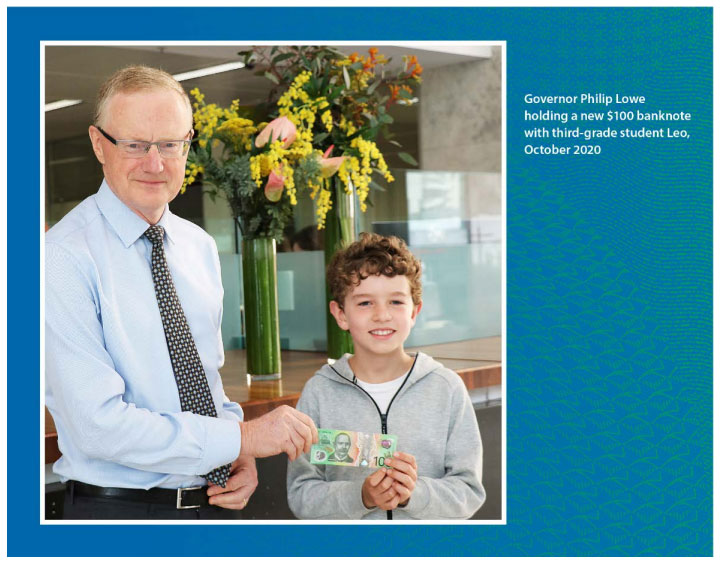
72,173
232,322
451,222
461,291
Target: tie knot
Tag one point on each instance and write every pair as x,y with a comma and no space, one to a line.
155,235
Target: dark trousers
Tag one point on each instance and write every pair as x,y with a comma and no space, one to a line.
77,507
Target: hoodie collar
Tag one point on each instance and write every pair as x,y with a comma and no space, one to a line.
341,370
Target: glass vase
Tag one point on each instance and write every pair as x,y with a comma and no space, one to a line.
339,233
261,309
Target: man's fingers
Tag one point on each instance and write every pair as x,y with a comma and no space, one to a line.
296,441
215,489
308,423
283,430
290,448
301,428
231,485
237,500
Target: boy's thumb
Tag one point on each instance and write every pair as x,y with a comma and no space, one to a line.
377,477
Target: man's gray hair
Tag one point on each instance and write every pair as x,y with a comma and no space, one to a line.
134,79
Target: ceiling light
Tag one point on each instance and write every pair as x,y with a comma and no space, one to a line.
61,104
209,71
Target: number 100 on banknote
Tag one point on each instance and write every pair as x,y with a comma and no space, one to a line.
352,449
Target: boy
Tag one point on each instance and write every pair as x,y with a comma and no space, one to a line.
436,471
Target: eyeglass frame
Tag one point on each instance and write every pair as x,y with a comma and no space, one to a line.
186,142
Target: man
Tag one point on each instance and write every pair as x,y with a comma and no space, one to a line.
342,444
133,332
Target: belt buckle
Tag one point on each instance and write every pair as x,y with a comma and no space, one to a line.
179,498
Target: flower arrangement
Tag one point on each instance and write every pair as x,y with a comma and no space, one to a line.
340,104
256,167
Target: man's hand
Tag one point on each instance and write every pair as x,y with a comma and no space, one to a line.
378,490
240,486
403,469
283,430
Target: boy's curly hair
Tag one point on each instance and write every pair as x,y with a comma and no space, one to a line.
373,254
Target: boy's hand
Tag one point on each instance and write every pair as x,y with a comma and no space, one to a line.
403,469
378,490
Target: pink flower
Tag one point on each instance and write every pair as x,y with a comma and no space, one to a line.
329,166
281,128
275,185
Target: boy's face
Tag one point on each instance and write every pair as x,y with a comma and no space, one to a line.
379,314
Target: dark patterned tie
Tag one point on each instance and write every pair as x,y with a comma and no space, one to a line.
191,379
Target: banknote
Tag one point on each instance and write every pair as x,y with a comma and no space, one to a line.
352,449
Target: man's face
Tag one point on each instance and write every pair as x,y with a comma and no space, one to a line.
342,444
379,314
144,184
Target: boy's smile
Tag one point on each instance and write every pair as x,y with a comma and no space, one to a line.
379,314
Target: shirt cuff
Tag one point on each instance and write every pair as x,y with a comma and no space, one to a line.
223,444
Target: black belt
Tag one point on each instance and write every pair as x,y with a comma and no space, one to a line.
181,498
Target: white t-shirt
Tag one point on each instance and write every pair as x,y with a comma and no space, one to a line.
382,393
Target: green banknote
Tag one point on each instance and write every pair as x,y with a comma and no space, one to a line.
352,449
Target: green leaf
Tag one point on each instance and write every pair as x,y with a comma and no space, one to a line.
347,80
336,92
386,119
282,57
319,137
271,77
373,86
372,120
336,52
407,158
313,86
376,186
404,94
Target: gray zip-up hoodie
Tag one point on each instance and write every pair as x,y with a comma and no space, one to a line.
433,419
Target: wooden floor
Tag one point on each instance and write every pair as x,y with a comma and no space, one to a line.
478,362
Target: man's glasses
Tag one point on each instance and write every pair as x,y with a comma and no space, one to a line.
133,148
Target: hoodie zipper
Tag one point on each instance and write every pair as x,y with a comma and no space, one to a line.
383,417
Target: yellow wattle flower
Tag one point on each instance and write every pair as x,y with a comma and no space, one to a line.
323,205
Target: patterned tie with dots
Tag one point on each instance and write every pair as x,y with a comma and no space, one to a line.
191,379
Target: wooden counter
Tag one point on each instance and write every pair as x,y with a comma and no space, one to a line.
477,361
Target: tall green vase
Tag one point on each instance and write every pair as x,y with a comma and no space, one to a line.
339,233
261,309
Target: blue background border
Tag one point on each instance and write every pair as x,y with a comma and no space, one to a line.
609,287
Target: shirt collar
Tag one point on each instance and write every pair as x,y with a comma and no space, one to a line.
127,224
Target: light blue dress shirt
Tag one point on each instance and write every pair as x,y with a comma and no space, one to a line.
109,384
